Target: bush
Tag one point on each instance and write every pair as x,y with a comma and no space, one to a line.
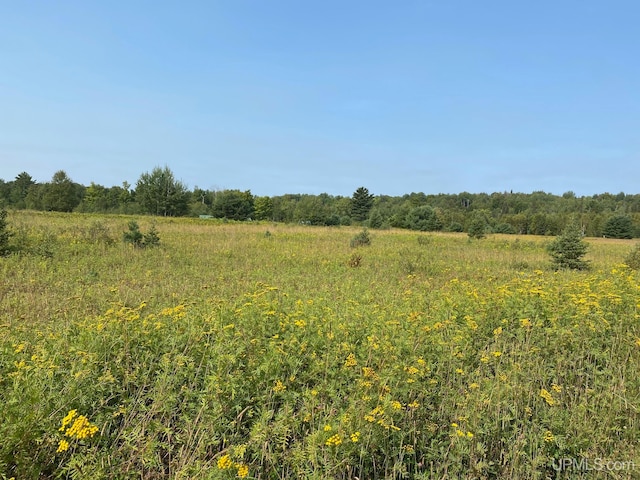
151,238
376,220
455,227
504,228
477,228
98,233
139,240
632,260
5,234
568,249
355,260
361,239
423,218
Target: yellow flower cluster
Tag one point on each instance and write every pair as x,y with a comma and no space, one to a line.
279,387
334,440
350,361
547,397
225,463
63,446
80,429
460,433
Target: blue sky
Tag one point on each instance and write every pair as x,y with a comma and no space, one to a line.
309,97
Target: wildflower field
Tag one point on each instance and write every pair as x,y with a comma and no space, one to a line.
274,352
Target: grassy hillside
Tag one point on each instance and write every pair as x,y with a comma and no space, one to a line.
274,351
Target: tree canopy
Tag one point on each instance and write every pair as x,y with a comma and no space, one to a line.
159,193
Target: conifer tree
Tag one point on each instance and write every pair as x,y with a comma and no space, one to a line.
361,203
568,249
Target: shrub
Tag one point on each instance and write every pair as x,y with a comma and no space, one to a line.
477,228
355,260
98,233
568,249
632,260
376,220
151,238
361,239
134,235
139,240
455,227
504,228
5,234
423,218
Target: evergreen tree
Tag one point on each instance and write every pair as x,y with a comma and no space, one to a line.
361,203
478,225
20,188
618,226
477,228
568,249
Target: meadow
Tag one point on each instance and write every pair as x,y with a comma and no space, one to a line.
271,351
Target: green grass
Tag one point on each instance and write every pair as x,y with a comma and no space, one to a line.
227,351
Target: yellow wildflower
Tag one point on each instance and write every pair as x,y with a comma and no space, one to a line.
224,462
81,428
279,387
67,420
547,396
350,361
243,470
411,370
355,437
334,441
63,446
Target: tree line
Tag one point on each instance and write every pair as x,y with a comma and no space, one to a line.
159,193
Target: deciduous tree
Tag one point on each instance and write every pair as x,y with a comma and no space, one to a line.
159,193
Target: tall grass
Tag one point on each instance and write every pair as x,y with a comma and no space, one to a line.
228,353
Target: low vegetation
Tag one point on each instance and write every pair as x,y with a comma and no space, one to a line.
228,353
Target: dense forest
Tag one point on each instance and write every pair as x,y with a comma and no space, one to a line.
159,193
